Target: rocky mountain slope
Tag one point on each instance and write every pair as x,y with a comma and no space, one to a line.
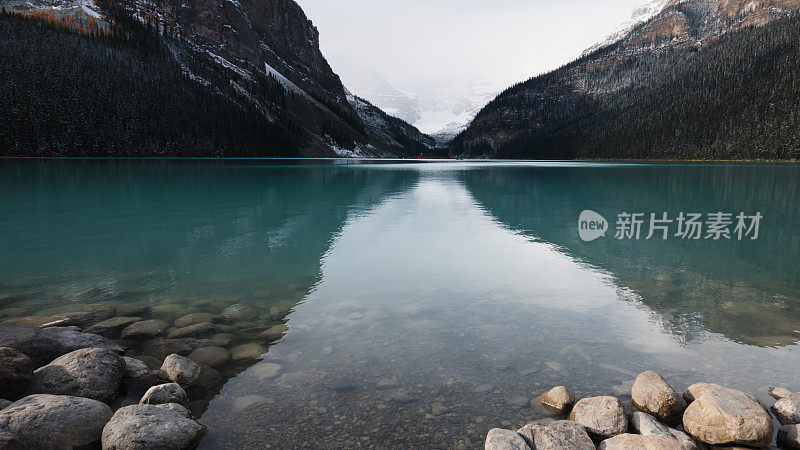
705,79
259,55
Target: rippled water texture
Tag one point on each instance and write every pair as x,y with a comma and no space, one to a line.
425,302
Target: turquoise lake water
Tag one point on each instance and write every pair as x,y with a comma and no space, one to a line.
425,302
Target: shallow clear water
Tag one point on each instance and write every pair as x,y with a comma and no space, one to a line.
426,302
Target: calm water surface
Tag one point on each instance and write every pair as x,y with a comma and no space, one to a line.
424,303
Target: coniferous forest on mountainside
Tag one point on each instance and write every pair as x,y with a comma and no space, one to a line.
66,93
737,97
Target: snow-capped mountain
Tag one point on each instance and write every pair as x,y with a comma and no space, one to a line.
640,15
257,45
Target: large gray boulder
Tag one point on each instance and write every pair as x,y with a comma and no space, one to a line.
93,373
556,435
652,394
723,416
647,425
603,417
54,422
787,409
16,372
152,427
179,369
43,345
500,439
639,442
164,393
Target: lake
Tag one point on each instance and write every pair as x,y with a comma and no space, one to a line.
409,304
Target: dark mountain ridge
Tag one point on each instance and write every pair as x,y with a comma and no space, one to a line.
209,62
703,79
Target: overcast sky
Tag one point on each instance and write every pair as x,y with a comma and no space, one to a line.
497,41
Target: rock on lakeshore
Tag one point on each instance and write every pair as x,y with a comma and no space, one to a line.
603,417
639,442
787,409
152,427
560,434
53,422
652,394
500,439
789,436
723,416
164,393
93,373
558,400
16,372
43,345
179,369
647,425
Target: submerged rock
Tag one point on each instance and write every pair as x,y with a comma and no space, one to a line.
723,416
211,356
179,369
247,352
147,427
161,348
238,312
16,372
275,332
164,393
647,425
37,321
265,370
145,329
556,435
197,329
342,385
557,400
603,417
93,373
193,319
46,344
113,326
639,442
500,439
52,422
652,394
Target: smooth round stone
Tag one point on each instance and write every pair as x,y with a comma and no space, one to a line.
197,329
164,393
211,356
557,400
723,416
518,402
652,394
238,312
247,352
275,332
171,311
113,326
45,421
250,401
144,329
193,319
179,369
145,427
93,373
500,439
483,389
603,417
133,309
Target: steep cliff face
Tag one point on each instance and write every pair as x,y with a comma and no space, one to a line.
571,111
259,47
